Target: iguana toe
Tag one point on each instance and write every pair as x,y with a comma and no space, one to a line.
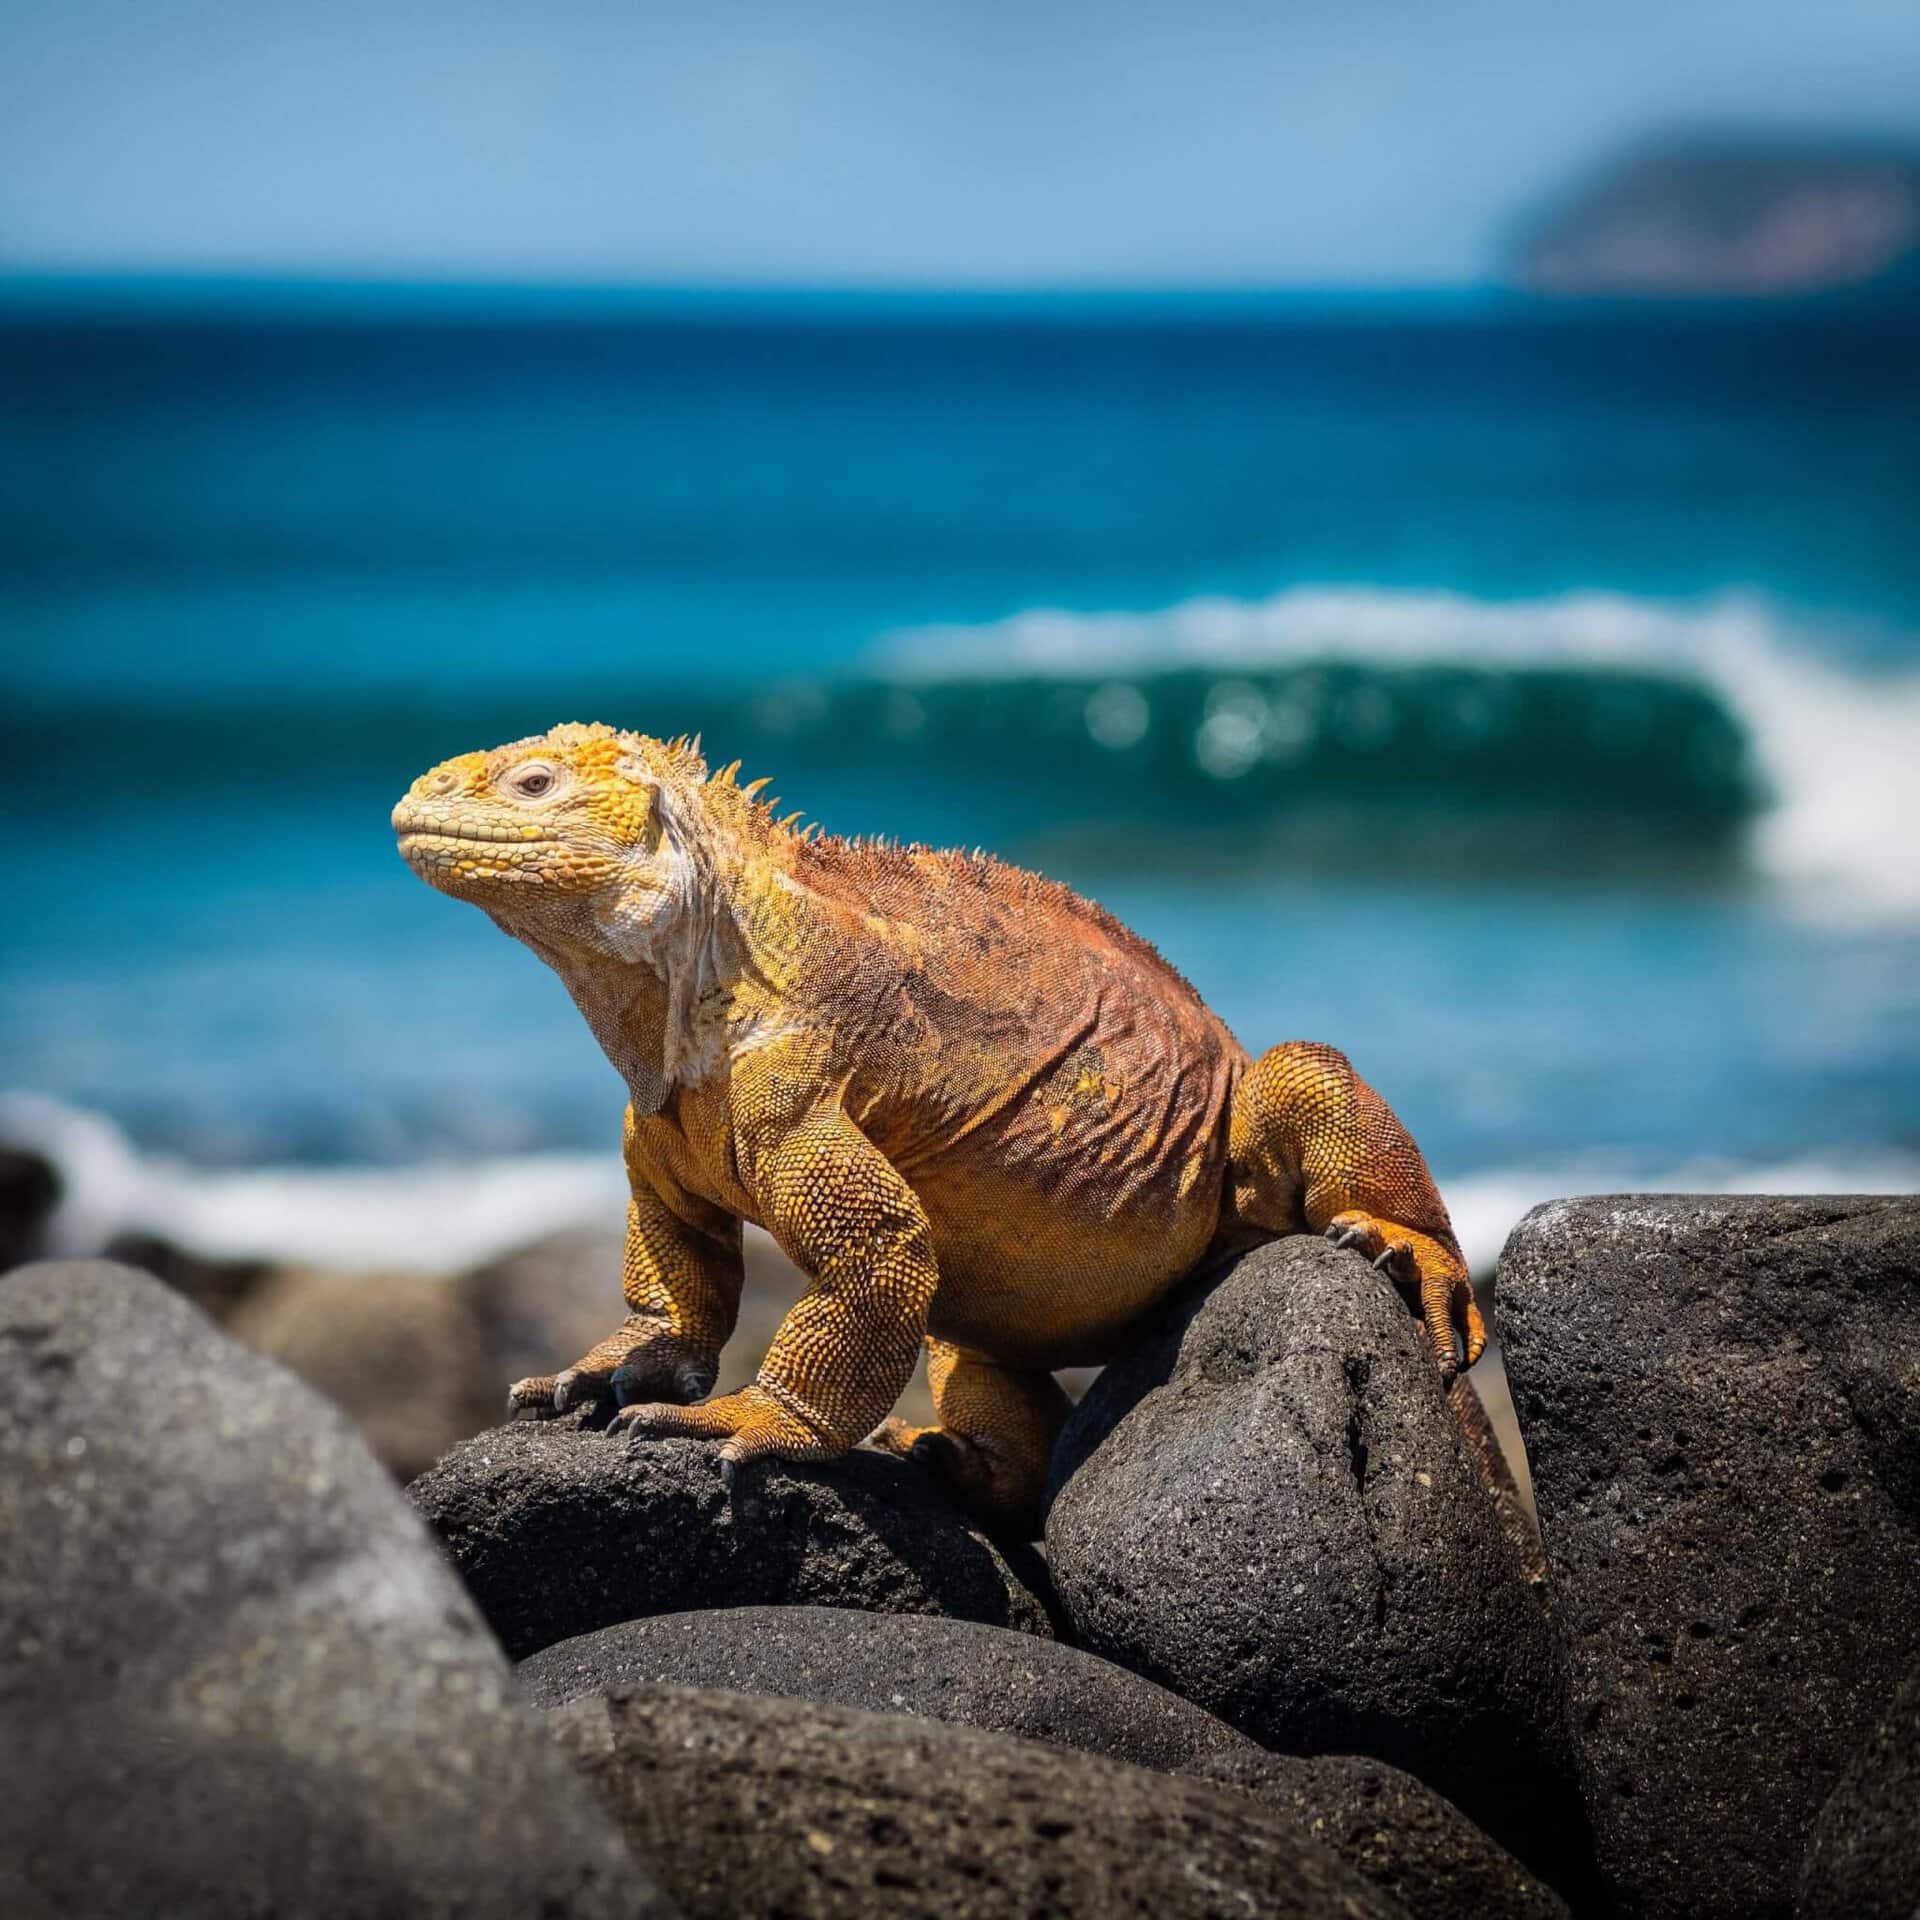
895,1436
532,1398
1431,1272
749,1423
577,1388
1397,1263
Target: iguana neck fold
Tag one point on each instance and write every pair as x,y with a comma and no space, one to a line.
673,990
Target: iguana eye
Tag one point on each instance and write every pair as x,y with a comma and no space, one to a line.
531,782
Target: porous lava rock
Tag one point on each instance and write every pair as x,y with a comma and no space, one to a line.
1396,1833
559,1529
759,1805
1863,1856
1721,1398
1399,1834
236,1678
1269,1507
954,1670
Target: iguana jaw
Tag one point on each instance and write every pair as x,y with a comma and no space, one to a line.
473,860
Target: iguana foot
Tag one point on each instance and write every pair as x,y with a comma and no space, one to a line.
636,1364
545,1396
1428,1269
990,1451
749,1424
928,1447
997,1488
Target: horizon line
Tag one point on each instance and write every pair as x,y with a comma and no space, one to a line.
32,293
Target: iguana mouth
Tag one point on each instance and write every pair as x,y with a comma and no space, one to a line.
494,836
412,826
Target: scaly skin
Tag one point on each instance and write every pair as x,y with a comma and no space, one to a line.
972,1106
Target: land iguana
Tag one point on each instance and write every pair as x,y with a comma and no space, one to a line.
971,1105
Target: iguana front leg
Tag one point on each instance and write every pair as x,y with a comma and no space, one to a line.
842,1357
682,1286
1312,1144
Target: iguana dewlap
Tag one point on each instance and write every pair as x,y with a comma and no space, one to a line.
971,1105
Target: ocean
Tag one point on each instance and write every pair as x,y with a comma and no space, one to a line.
1523,698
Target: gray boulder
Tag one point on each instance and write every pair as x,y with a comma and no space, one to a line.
1719,1399
560,1529
1269,1507
1399,1835
235,1676
1863,1856
770,1806
398,1353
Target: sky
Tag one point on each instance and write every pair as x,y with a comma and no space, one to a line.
1050,143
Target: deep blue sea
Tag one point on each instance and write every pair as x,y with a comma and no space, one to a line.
1526,699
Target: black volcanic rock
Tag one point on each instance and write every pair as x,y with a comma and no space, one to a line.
1268,1506
560,1529
1399,1835
1719,1400
765,1806
957,1670
236,1679
1863,1856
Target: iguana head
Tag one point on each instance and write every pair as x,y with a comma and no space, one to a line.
579,833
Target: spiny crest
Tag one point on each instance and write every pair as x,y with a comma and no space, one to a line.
679,758
728,788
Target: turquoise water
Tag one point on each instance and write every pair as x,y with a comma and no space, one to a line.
1525,700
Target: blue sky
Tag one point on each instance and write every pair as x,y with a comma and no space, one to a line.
874,142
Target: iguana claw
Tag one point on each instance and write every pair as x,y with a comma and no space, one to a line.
575,1387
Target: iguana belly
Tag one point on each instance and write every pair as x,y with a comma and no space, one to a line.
1058,1217
1033,1285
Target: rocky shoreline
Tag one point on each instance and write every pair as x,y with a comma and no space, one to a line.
1278,1653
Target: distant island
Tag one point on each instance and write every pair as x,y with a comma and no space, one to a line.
1729,217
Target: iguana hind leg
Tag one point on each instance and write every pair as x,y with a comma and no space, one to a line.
996,1434
1312,1145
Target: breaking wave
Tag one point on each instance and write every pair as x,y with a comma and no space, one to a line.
1723,712
1548,736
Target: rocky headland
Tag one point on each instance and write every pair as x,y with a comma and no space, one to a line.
1730,217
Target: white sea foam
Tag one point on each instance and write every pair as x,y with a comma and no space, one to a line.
1487,1206
428,1218
1838,747
448,1215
